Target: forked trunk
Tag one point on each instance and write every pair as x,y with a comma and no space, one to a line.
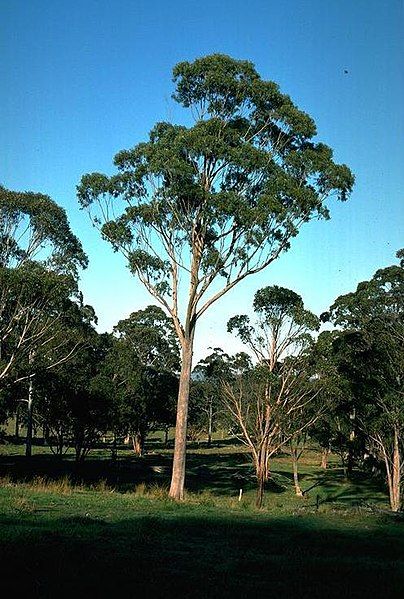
178,474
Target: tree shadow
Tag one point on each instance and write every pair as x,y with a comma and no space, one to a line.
183,555
218,471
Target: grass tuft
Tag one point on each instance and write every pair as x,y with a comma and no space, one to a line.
23,505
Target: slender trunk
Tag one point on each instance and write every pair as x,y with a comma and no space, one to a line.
298,489
324,458
60,442
350,461
45,434
395,476
114,450
166,431
138,443
343,464
210,419
262,473
28,441
17,422
178,474
261,479
351,445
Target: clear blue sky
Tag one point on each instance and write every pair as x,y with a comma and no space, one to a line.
83,79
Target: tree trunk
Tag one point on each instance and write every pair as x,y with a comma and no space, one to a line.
138,443
324,458
17,422
178,474
262,473
28,440
395,482
298,489
210,419
351,445
261,479
166,432
114,450
343,465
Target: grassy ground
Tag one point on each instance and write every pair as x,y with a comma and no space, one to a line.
115,531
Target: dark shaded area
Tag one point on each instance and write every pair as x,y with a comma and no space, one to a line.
187,556
214,470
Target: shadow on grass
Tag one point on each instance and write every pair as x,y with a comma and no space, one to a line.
183,555
223,473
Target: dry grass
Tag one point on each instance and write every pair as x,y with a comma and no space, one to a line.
23,505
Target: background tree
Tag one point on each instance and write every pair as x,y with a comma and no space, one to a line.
337,429
75,410
207,205
271,405
39,262
143,366
208,378
373,317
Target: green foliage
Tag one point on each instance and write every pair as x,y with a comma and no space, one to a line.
39,262
34,227
76,410
140,371
371,358
282,325
225,194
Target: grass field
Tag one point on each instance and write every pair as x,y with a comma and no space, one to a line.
113,531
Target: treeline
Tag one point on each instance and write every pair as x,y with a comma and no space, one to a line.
342,387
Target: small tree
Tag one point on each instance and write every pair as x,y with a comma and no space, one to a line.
206,206
270,406
142,365
75,410
208,376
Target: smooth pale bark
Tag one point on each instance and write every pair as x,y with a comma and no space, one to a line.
178,473
138,442
298,489
394,475
260,489
324,458
262,473
210,422
28,441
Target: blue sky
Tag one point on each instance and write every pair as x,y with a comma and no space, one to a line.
84,79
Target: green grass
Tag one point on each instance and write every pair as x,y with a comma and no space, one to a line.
115,532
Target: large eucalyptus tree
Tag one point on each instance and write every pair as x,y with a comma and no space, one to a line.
199,207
